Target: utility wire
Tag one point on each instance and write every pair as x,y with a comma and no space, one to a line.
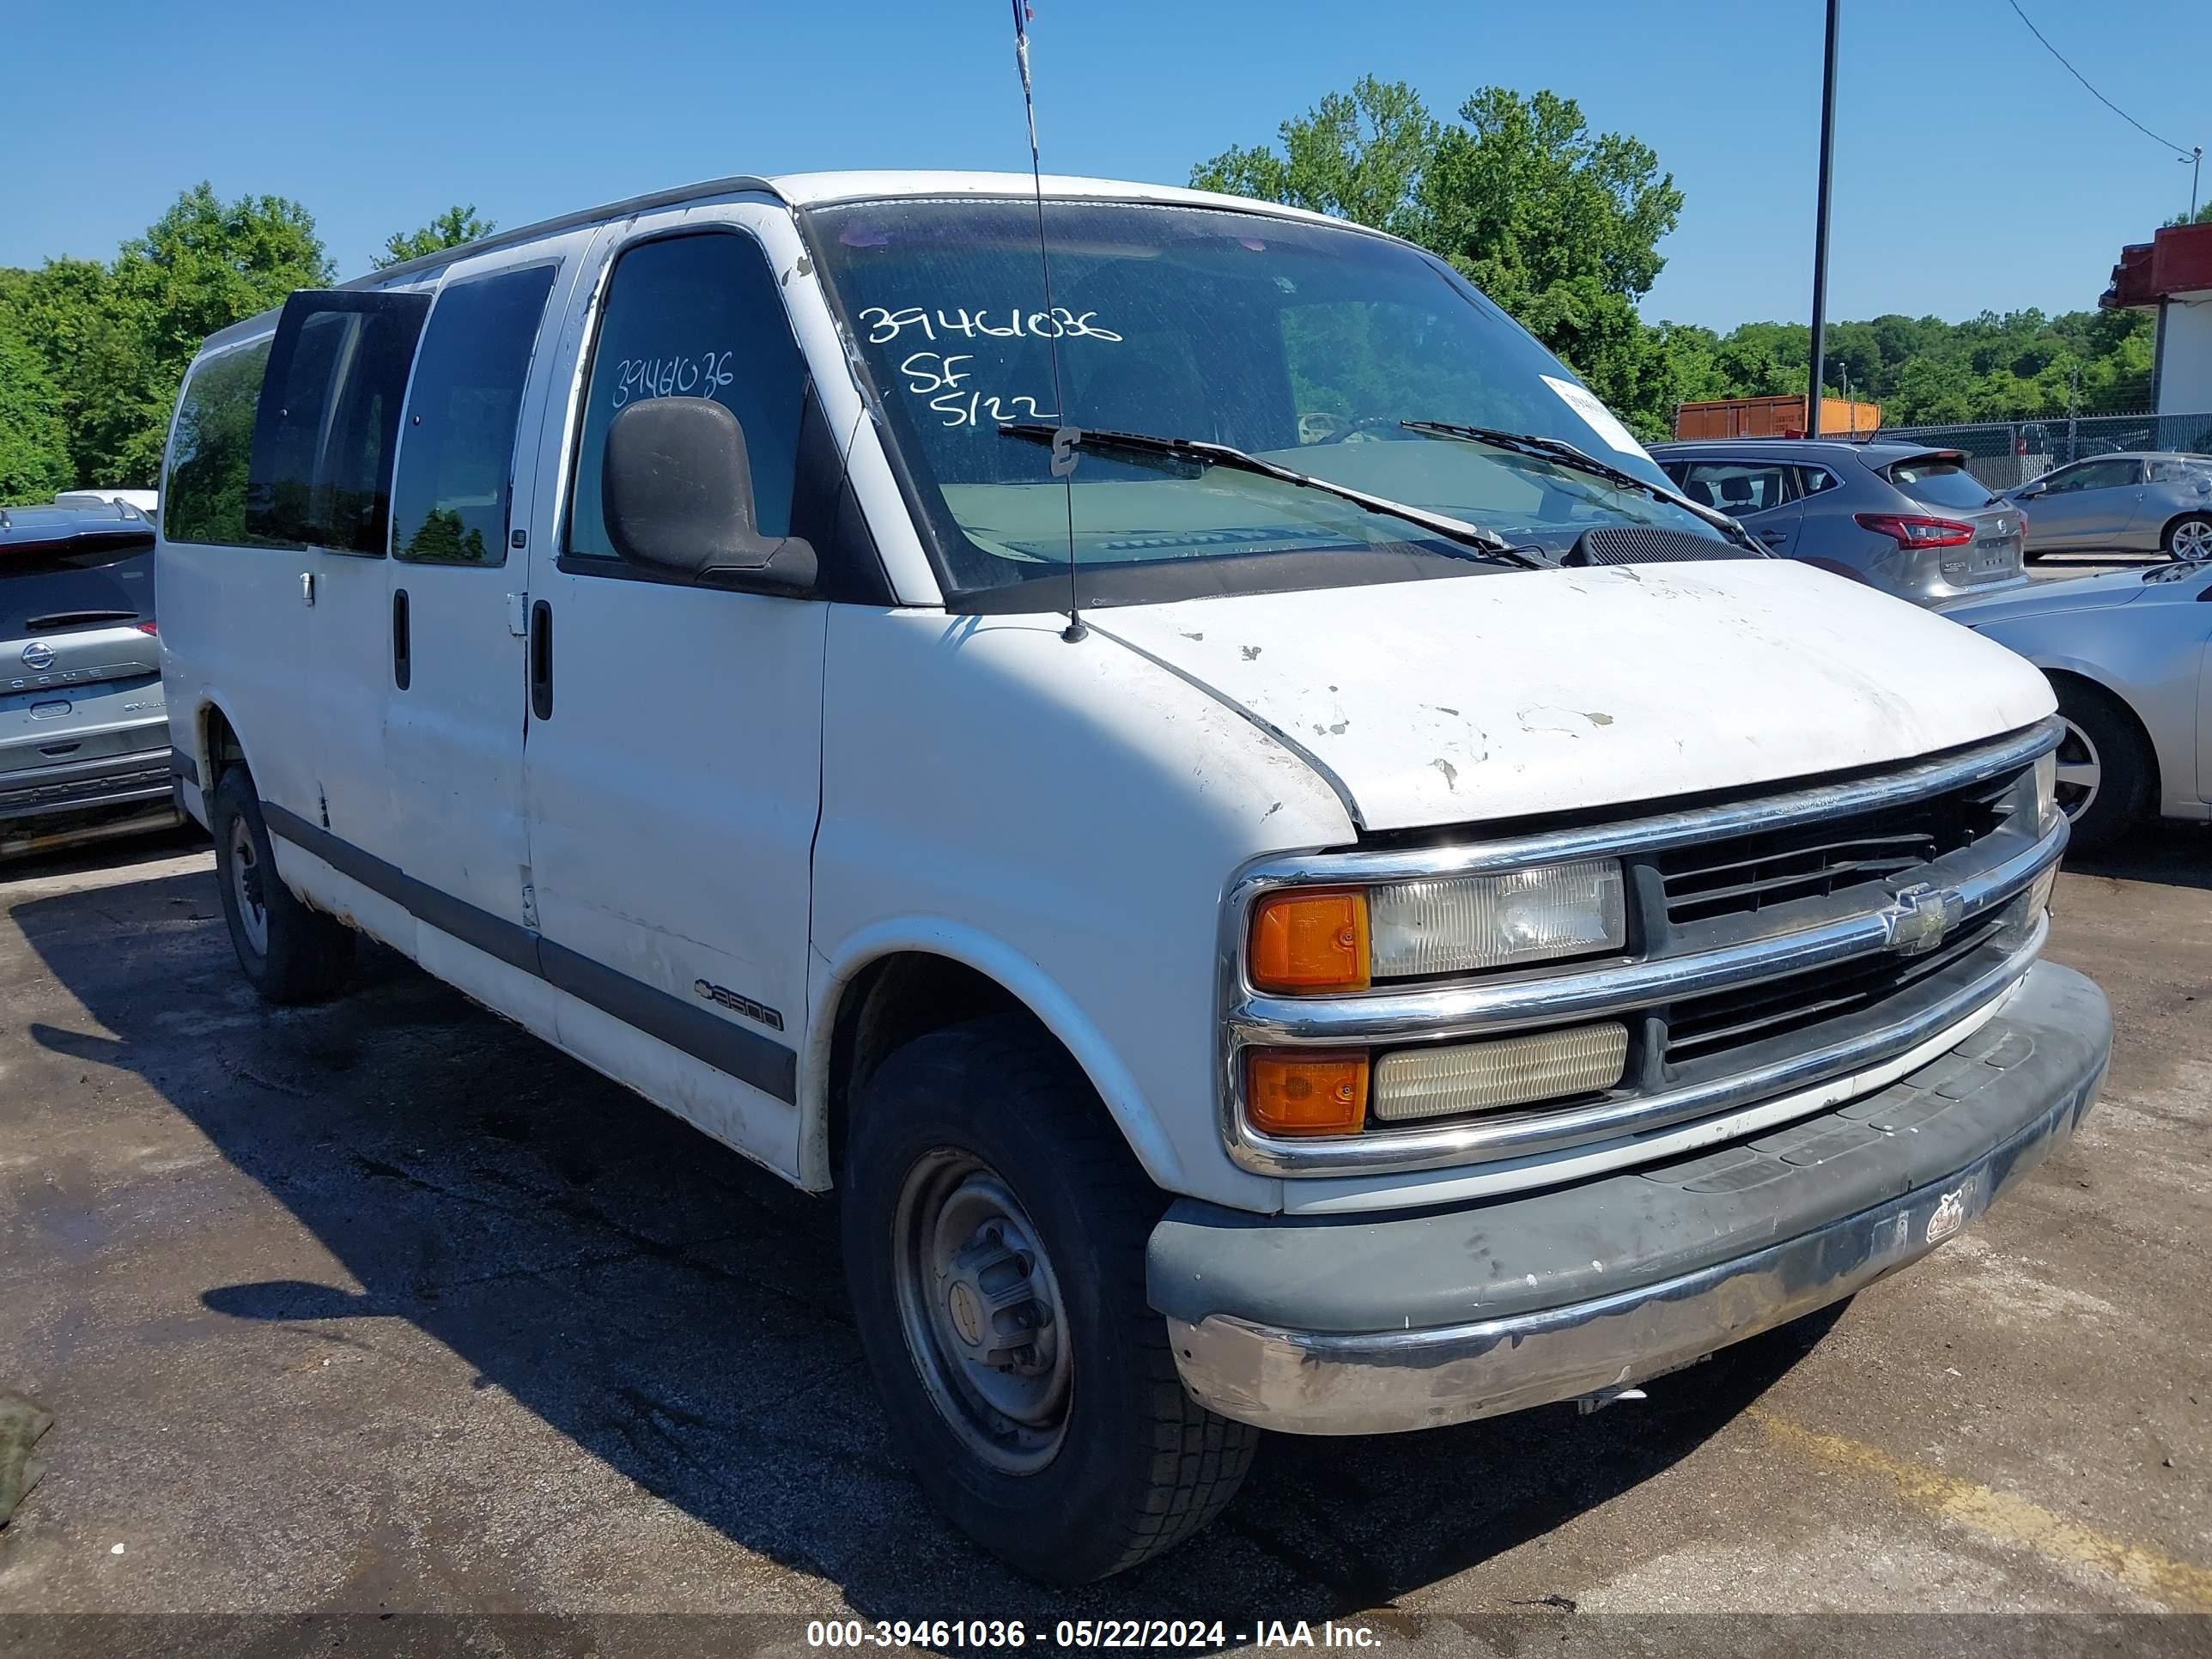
2181,151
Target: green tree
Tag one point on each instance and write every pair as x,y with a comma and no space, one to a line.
454,228
34,460
2201,216
1359,155
116,339
1558,225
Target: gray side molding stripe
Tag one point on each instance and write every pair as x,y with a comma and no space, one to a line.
185,767
744,1054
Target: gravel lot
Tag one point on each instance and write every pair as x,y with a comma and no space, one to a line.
386,1307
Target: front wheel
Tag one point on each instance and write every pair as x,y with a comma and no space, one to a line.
2190,539
994,1226
2104,766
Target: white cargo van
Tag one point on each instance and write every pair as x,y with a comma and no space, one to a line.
1452,927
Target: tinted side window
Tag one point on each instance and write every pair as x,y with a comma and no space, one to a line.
1812,480
204,499
449,502
321,474
696,316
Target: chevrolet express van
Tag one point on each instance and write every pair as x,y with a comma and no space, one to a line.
1447,925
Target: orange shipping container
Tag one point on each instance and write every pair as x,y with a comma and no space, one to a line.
1774,417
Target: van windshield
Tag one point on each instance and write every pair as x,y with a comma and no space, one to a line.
1306,344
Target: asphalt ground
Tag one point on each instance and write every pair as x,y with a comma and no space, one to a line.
386,1308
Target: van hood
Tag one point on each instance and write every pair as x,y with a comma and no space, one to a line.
1495,696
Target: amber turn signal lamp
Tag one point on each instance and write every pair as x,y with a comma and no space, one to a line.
1310,940
1306,1091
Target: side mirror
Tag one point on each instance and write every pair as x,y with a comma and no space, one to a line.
2036,487
676,488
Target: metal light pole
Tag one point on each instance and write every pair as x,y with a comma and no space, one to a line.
2196,167
1820,230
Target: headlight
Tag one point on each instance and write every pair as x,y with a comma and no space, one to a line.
1339,938
1423,929
2046,793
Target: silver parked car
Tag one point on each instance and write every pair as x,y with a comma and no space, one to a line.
84,732
1903,518
2126,652
2137,502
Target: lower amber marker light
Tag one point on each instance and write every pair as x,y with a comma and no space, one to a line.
1306,1091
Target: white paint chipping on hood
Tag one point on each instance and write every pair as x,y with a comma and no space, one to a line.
1495,696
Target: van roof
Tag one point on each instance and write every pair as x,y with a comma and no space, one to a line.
806,190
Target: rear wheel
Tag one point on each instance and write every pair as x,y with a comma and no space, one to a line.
2190,539
994,1226
290,953
2104,766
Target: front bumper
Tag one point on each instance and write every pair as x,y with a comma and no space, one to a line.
1372,1326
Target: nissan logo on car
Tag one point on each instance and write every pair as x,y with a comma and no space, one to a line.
38,655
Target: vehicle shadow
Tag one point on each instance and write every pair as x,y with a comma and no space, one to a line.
121,853
2170,854
678,1313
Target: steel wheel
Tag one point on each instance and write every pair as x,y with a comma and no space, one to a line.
982,1311
2081,771
245,879
2192,541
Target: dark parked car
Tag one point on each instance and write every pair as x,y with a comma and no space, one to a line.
1903,518
84,732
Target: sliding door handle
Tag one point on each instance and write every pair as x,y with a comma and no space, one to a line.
403,660
541,660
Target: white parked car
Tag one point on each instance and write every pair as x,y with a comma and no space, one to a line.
1452,927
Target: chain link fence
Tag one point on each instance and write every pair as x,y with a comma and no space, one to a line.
2003,454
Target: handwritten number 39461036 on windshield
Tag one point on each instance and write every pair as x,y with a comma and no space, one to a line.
944,377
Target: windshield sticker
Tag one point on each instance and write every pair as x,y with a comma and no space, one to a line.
1600,419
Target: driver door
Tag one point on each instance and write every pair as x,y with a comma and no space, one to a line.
672,760
2089,504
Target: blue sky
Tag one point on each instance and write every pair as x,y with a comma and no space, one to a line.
1972,173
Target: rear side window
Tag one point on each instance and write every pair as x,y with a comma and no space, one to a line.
450,500
695,316
1737,487
321,474
1940,484
204,499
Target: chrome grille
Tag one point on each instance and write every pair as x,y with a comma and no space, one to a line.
1704,1026
1749,873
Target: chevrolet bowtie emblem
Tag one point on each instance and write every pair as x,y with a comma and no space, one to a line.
1920,917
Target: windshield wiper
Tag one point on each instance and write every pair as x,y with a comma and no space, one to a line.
1558,451
1197,452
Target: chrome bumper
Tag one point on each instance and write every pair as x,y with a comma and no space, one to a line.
1381,1380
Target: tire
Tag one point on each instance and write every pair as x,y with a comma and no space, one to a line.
2190,539
2105,753
289,953
1106,1461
